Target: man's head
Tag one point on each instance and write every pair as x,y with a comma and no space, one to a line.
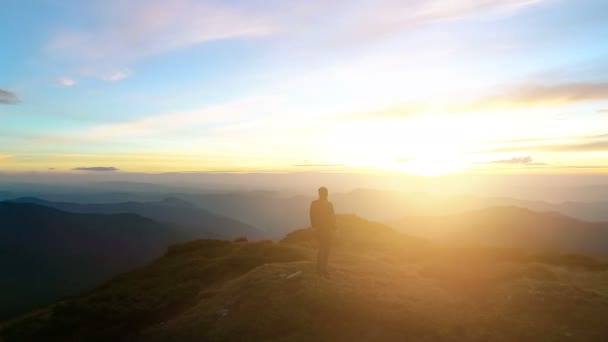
323,193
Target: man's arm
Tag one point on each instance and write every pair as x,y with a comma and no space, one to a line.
333,215
313,215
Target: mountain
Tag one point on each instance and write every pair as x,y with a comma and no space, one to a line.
279,214
197,222
46,253
392,205
513,227
385,286
275,215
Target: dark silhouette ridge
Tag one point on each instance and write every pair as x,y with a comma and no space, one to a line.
52,249
197,222
48,253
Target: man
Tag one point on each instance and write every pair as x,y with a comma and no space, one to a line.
323,223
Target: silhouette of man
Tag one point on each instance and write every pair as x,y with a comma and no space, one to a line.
323,223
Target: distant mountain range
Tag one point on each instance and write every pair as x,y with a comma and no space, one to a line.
512,227
280,214
196,222
53,249
276,214
388,205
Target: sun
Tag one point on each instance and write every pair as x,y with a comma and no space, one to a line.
426,145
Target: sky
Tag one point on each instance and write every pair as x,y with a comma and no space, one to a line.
427,87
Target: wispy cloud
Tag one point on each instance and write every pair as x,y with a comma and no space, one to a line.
116,75
318,165
97,168
375,19
66,81
602,110
236,111
5,156
548,94
526,161
105,73
122,31
515,160
552,140
506,97
598,145
7,97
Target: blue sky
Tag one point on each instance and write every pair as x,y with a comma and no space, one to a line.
424,87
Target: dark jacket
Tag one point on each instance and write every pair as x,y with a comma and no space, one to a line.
322,215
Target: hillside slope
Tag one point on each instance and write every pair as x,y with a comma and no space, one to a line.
512,227
47,253
384,287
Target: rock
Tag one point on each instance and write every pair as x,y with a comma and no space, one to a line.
221,313
294,275
241,239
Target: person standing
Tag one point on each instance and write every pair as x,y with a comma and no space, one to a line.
323,223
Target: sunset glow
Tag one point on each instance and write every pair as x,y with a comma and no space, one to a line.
422,87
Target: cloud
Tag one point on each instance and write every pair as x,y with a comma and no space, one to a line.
66,81
553,140
519,162
586,167
523,161
602,110
597,146
593,143
237,111
7,97
318,165
508,97
5,156
515,160
116,75
97,168
105,73
122,31
376,19
547,94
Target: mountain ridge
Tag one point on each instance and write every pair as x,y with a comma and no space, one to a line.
49,253
512,226
202,223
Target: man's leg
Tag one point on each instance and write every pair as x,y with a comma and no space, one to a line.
320,258
320,252
325,248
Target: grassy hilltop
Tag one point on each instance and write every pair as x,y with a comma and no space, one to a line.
384,287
